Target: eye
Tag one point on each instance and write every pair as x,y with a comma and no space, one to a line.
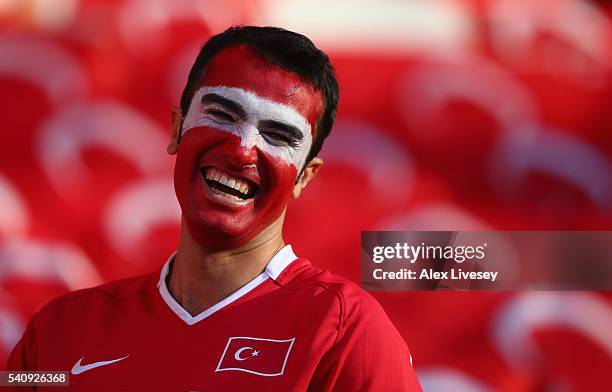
278,138
220,116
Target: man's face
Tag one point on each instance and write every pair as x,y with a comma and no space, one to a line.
246,135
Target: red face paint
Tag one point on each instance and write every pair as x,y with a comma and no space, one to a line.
238,151
241,67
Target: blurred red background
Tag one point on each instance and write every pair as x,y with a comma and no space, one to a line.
454,115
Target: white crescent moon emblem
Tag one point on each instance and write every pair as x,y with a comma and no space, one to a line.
240,350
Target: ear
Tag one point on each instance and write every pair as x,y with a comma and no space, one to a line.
176,122
308,174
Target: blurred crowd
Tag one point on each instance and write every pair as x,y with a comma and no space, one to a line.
454,115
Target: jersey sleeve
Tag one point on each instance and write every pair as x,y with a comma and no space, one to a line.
23,355
369,353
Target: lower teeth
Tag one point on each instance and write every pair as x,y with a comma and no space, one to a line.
212,185
228,196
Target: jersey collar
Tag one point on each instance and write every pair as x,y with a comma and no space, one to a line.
279,262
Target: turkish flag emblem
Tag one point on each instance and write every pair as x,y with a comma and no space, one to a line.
264,357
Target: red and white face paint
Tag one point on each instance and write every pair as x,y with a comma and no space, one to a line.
246,135
257,110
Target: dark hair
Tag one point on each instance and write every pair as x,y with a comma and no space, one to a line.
291,51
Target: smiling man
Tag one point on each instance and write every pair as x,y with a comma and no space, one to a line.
234,307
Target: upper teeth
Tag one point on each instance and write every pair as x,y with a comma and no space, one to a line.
227,180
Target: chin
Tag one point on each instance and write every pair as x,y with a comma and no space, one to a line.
213,234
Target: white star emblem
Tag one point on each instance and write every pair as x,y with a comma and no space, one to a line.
255,353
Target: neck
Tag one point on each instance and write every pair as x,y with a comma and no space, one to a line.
200,277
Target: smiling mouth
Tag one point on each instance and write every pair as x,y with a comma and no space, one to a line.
227,186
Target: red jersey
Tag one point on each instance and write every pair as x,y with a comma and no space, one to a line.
294,327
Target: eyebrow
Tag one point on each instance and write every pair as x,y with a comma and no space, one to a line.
226,103
293,131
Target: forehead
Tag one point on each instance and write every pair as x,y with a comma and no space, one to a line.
241,67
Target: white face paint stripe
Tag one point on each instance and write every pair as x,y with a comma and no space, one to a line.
257,109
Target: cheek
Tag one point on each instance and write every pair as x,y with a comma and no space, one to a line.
281,177
284,174
193,144
199,139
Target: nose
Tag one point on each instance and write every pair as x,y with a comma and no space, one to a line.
238,154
